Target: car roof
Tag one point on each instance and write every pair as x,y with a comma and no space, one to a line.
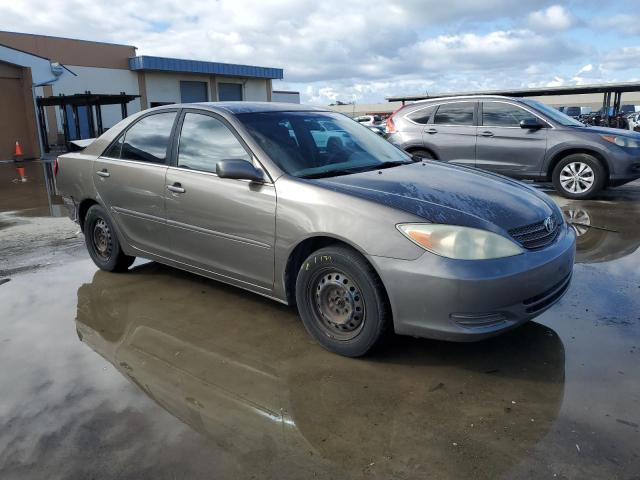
466,97
248,107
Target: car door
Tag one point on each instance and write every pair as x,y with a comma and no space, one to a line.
503,146
451,134
130,180
221,225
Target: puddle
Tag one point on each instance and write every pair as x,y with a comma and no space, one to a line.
34,198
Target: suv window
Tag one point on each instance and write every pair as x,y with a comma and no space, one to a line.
498,114
460,113
146,141
423,115
204,141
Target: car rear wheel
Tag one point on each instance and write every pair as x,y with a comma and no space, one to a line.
341,301
579,176
422,154
102,242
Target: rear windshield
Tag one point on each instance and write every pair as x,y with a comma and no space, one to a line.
320,144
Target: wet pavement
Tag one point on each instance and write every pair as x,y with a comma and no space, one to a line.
158,373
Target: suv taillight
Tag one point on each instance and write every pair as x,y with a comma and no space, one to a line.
55,167
391,127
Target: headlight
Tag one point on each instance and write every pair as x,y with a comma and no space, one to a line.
622,141
461,243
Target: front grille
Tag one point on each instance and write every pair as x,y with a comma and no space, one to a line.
536,235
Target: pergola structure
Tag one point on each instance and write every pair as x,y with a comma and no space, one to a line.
608,90
92,101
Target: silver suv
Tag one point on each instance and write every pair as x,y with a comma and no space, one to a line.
520,138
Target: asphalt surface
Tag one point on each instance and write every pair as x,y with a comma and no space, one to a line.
161,374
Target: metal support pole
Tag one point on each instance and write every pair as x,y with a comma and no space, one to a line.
65,123
77,118
123,107
99,118
43,129
92,128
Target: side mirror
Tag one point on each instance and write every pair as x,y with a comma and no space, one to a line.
531,124
240,170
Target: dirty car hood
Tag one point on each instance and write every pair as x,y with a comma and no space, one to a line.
443,193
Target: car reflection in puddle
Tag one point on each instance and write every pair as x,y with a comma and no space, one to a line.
240,370
605,231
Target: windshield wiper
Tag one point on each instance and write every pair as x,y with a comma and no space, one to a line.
330,173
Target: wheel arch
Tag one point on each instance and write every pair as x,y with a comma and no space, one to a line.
83,208
415,148
306,247
558,156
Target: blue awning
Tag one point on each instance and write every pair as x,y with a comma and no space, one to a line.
144,62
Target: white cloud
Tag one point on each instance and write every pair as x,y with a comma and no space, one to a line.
554,17
628,24
357,50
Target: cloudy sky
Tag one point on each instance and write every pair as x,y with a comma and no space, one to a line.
364,50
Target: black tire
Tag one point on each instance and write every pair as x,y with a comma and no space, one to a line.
102,242
420,154
339,278
599,177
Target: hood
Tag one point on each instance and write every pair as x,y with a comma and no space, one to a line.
443,193
609,131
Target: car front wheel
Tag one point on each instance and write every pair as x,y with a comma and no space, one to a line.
102,242
341,301
579,176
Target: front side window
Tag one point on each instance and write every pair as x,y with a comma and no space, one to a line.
320,144
146,141
460,113
204,141
423,115
498,114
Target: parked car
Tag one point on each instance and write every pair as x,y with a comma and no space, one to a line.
378,129
520,138
358,235
369,120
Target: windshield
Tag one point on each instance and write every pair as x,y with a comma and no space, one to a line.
320,144
553,114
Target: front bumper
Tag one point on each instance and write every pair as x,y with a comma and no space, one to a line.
468,300
624,166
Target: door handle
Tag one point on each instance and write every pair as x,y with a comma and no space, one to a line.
486,133
431,131
176,188
103,173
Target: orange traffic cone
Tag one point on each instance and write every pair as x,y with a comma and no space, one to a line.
17,156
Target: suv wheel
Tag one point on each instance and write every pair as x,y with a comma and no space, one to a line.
422,154
579,176
102,242
341,301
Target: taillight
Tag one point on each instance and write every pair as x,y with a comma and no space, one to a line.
55,167
391,127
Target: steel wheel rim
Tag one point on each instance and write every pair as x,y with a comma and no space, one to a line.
101,239
338,305
577,177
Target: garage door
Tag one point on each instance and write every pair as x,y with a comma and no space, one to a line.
193,92
230,92
13,119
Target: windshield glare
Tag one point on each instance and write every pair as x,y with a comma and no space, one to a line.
316,144
554,114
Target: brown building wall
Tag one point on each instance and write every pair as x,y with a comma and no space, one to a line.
71,52
17,115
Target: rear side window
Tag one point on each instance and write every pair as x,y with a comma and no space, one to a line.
460,113
423,115
146,141
204,141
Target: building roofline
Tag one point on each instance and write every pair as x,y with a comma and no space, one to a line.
530,92
166,64
68,38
